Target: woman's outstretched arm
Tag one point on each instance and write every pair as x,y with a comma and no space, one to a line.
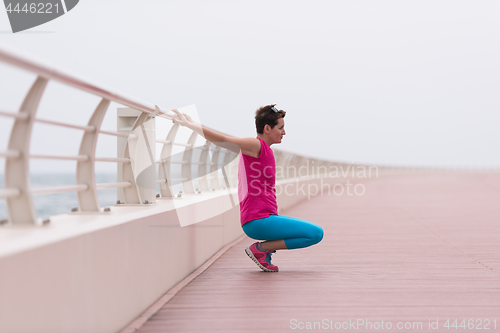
248,146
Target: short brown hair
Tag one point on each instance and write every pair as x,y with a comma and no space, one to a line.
265,115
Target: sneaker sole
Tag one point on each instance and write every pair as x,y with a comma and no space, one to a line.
250,254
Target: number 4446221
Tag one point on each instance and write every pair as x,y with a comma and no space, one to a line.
38,8
477,324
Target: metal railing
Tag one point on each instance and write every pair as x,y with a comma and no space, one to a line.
17,190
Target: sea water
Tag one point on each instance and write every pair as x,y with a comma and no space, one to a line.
61,203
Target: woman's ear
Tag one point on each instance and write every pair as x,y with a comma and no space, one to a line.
267,128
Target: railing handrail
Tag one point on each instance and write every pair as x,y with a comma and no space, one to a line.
18,189
18,192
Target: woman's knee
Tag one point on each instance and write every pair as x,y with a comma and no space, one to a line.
317,234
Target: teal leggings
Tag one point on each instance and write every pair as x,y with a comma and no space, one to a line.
297,233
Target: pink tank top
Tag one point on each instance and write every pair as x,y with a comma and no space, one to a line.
256,180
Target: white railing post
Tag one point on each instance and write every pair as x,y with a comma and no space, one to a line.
164,168
85,170
126,118
144,127
187,158
20,208
135,194
202,167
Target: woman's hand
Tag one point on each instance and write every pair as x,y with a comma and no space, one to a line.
182,119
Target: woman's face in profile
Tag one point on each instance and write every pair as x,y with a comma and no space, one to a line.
276,133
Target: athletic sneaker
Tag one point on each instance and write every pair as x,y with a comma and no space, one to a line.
261,258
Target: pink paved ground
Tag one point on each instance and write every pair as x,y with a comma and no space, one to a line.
414,248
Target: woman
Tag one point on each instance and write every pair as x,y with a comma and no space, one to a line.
256,188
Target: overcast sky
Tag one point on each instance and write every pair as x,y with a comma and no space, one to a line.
382,82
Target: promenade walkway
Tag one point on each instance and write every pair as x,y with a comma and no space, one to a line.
415,248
